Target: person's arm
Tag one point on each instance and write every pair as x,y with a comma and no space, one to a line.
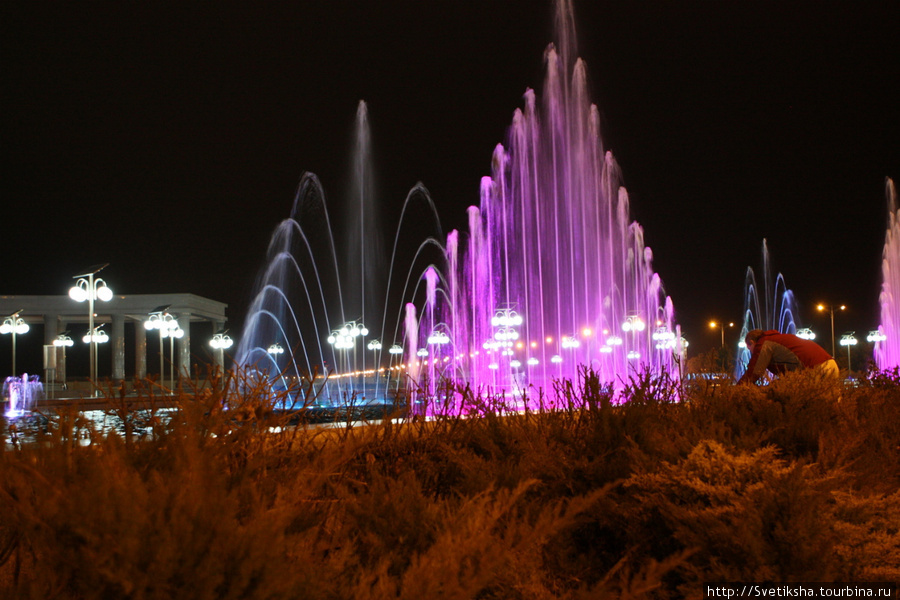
766,352
748,376
759,362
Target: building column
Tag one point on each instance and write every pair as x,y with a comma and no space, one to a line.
140,351
51,328
118,348
183,364
61,357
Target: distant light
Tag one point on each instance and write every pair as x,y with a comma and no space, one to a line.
848,339
875,336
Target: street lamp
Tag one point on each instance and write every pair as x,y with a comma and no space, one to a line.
96,336
63,340
806,334
876,336
88,288
633,323
848,339
345,338
221,341
830,309
275,349
59,372
721,326
174,331
160,319
664,338
15,325
570,341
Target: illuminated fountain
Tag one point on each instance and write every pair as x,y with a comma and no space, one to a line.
768,304
555,275
22,393
551,276
887,338
325,315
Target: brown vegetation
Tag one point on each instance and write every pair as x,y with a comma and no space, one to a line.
645,495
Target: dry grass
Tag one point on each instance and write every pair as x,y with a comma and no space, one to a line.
642,495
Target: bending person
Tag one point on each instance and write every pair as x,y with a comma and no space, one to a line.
778,353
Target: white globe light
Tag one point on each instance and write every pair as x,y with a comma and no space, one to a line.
22,327
148,325
363,331
5,328
77,293
104,293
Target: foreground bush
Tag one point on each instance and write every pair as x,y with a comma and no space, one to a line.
643,495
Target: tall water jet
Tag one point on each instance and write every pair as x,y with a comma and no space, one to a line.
768,304
363,263
555,274
887,343
307,301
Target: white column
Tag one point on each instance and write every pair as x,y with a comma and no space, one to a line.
117,338
183,364
140,351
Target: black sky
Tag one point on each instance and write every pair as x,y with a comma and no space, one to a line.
167,138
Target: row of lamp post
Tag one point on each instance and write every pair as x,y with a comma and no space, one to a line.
90,288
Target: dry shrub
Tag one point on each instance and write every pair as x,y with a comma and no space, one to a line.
641,494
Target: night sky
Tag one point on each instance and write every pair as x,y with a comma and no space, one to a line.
168,138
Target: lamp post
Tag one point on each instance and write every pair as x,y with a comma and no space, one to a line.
62,341
15,325
395,351
830,309
848,339
160,319
721,326
174,331
221,342
89,288
635,325
96,335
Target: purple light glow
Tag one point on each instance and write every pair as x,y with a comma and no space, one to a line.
887,351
